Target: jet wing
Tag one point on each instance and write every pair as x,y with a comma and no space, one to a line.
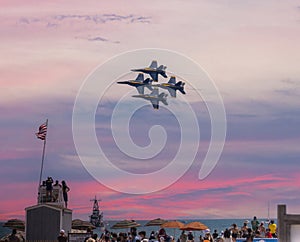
154,92
149,87
155,103
172,92
154,76
140,89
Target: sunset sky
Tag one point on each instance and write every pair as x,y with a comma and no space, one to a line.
250,49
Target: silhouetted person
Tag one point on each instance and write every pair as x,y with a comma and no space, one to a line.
56,184
62,236
65,190
49,188
14,237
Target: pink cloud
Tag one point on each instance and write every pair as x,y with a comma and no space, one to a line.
180,200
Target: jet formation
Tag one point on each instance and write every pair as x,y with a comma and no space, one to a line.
154,97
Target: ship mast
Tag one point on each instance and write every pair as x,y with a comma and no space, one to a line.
96,205
269,210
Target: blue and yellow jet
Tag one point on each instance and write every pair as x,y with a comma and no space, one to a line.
139,83
153,70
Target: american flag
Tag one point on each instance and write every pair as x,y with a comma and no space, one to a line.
42,132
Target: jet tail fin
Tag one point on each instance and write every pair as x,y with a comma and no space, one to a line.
172,80
153,64
140,77
162,67
181,84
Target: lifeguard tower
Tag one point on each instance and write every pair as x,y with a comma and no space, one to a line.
45,220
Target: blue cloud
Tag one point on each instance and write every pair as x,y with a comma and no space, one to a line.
96,18
98,38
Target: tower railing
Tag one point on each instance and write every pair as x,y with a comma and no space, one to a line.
53,198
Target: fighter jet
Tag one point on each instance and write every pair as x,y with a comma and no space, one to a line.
139,83
172,86
154,97
153,70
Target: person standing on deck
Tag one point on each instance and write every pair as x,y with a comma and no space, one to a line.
49,188
262,229
183,236
250,235
14,237
190,237
227,235
244,230
56,184
215,234
254,223
65,190
62,236
273,228
234,232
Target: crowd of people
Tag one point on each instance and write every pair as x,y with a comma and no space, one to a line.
132,236
255,229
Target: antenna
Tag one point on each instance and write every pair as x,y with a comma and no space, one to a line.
269,210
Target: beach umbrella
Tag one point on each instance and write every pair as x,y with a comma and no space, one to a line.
194,226
173,224
125,224
155,222
82,225
15,224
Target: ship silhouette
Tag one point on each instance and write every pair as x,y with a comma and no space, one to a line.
96,218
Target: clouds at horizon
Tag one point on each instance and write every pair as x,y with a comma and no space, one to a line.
240,155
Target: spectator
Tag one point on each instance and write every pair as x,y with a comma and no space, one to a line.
56,184
49,188
250,235
227,235
262,229
14,237
190,237
215,234
62,236
268,234
254,223
234,232
273,228
65,190
183,236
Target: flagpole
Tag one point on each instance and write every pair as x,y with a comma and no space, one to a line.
43,156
